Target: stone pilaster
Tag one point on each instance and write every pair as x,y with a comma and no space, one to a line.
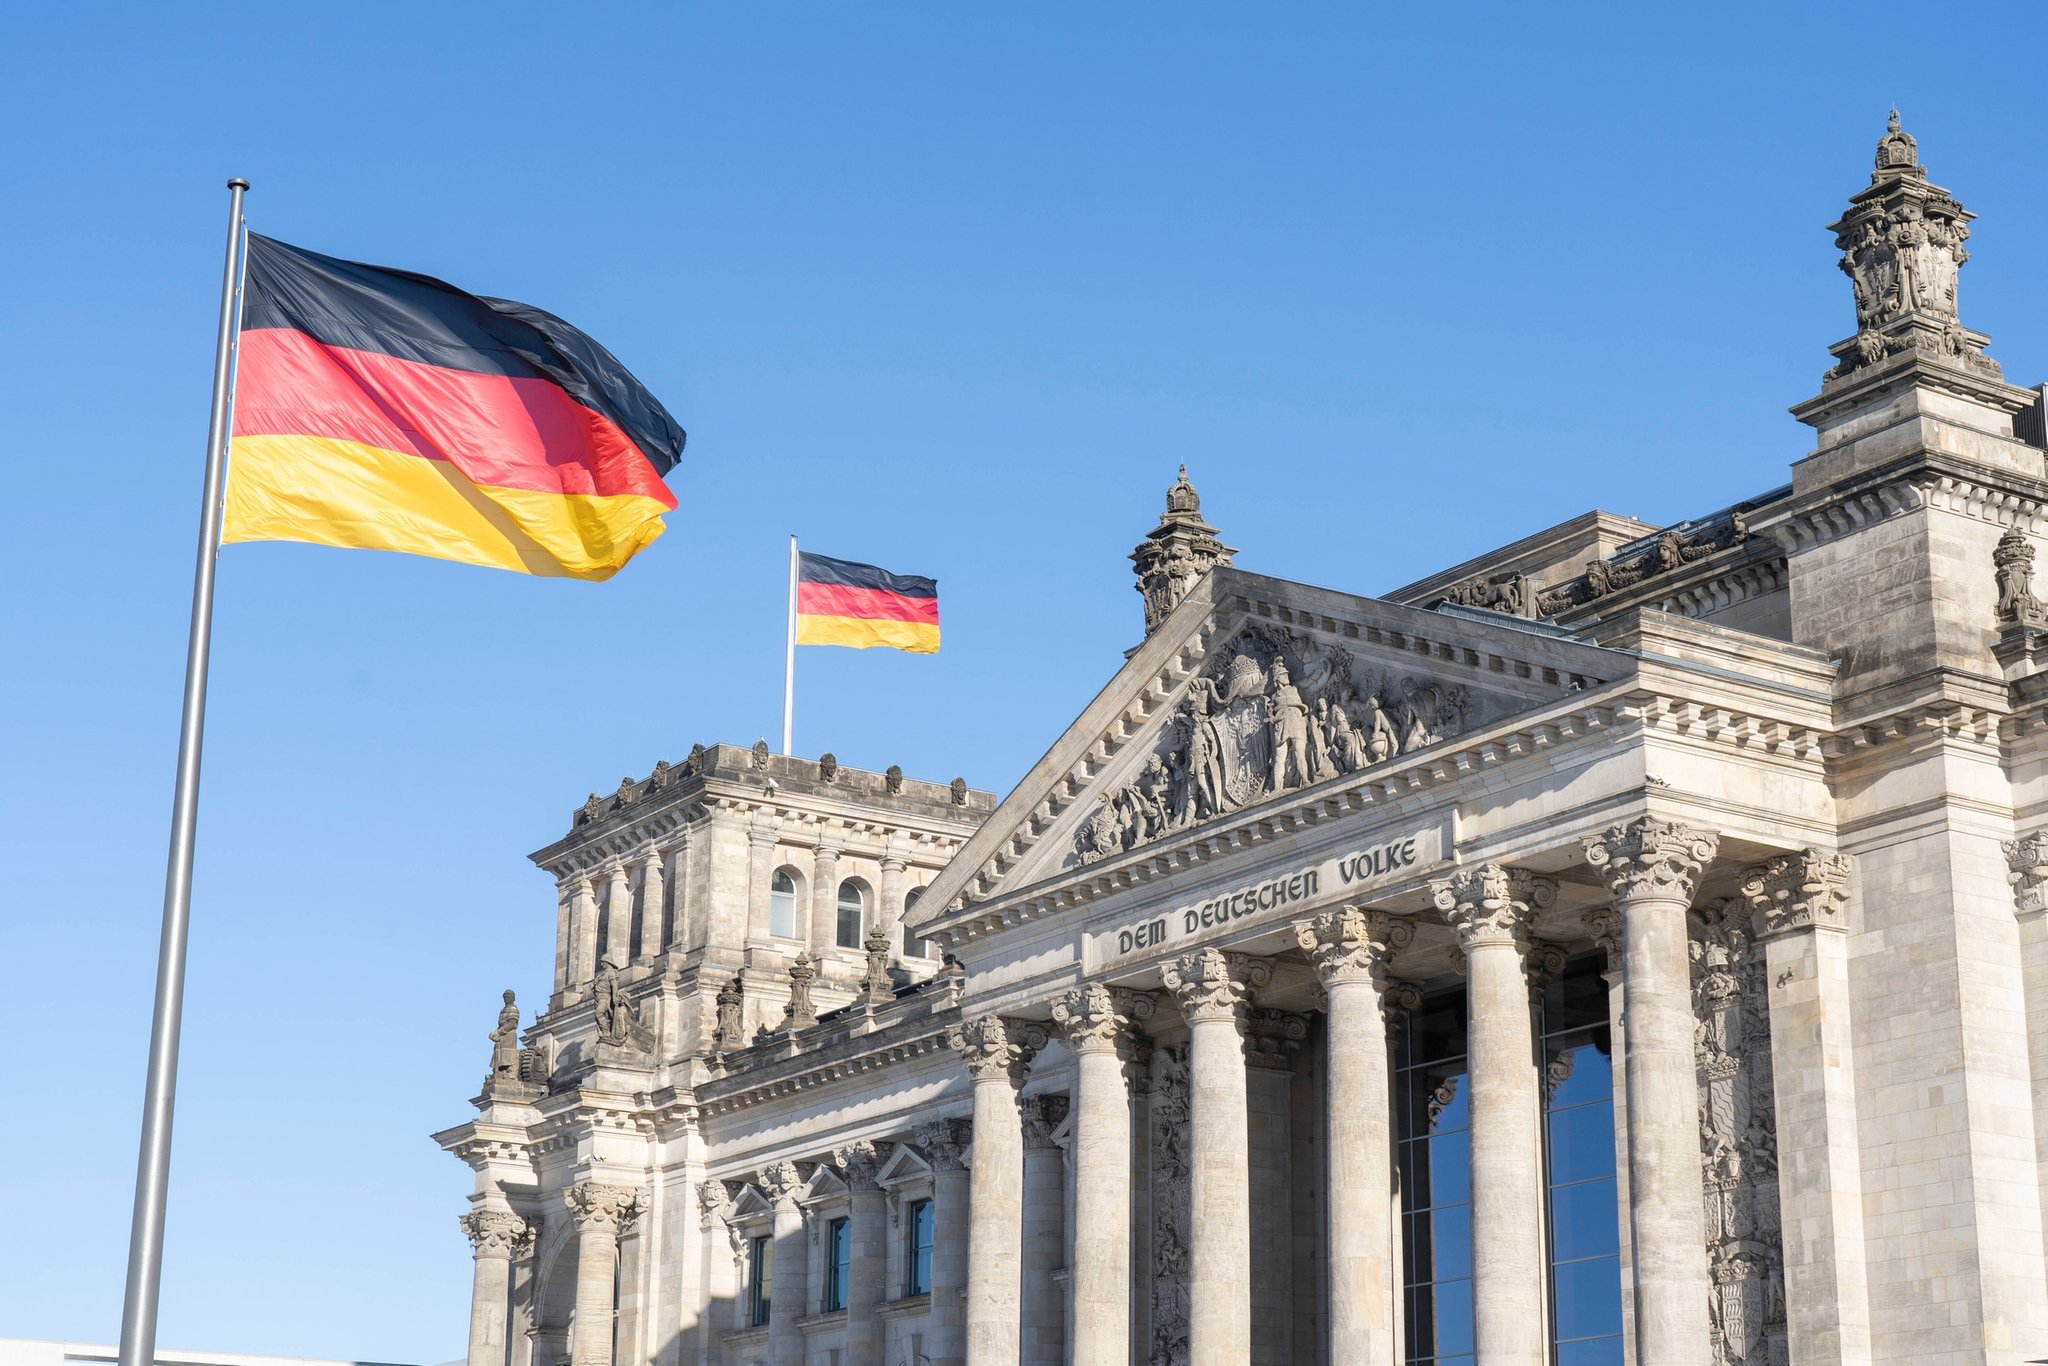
1489,907
1097,1022
1351,949
1799,905
824,898
889,915
783,1184
495,1235
601,1213
1603,926
1212,988
618,916
1652,867
583,927
653,896
996,1052
761,883
1045,1232
943,1144
565,937
857,1165
2027,857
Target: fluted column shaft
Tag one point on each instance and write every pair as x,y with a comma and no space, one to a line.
868,1231
1212,988
942,1143
618,917
824,900
995,1237
601,1213
1350,949
1096,1022
1652,867
890,913
1489,907
583,929
791,1268
494,1235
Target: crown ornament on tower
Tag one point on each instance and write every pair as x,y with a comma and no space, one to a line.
1902,249
1176,553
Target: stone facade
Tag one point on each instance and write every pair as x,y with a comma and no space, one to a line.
1629,945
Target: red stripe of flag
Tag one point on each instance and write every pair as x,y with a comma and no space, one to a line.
866,604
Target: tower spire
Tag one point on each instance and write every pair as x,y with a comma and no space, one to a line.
1902,247
1177,552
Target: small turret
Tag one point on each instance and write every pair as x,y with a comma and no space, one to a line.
1177,552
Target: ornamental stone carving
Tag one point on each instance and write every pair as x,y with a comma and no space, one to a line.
800,1013
1273,712
1176,553
1651,858
1097,1017
1491,904
731,1032
877,987
1603,927
783,1182
1272,1037
713,1204
496,1232
1172,1208
2027,857
944,1143
1670,549
1807,890
2013,559
604,1208
1042,1117
505,1041
1212,984
859,1165
1353,943
994,1047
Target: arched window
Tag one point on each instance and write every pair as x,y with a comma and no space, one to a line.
913,944
852,914
782,904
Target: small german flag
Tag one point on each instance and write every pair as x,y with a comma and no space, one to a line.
384,410
839,602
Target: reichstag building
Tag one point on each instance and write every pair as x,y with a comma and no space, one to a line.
1630,945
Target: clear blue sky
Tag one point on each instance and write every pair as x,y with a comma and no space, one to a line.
948,288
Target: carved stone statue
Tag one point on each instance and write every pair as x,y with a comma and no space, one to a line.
800,1013
1287,715
505,1042
609,1007
732,1003
877,987
2014,559
1176,553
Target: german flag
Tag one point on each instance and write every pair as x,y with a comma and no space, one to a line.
384,410
839,602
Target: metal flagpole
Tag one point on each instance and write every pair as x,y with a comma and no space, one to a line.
788,657
152,1166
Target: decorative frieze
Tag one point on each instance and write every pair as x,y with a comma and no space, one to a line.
1648,857
1806,890
1671,549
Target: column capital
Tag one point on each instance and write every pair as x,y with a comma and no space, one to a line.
1490,904
1095,1017
1651,858
783,1182
757,838
605,1208
860,1165
1352,943
714,1203
993,1047
1603,926
893,862
944,1144
1806,890
1212,984
1042,1115
1541,963
1398,1000
2027,858
496,1232
1271,1037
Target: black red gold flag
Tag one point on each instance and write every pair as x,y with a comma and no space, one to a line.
839,602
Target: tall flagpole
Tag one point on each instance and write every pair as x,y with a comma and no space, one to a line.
788,660
153,1165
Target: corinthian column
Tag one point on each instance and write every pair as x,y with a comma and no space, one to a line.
1350,949
2028,859
1800,909
943,1142
1212,988
858,1165
996,1052
824,899
1489,908
1097,1022
494,1235
601,1213
782,1184
1652,867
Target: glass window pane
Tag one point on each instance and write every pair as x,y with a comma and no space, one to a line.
1582,1143
1591,1079
1588,1298
1452,1101
1454,1318
1421,1323
782,905
1585,1221
1590,1352
1450,1169
851,908
1451,1239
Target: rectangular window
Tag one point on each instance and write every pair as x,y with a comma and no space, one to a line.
838,1262
1578,1131
760,1279
918,1236
1436,1183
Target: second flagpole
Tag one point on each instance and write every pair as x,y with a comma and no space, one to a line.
789,654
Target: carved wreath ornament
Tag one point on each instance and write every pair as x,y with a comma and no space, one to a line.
1275,712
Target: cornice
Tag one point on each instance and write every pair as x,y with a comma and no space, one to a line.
1941,482
803,1073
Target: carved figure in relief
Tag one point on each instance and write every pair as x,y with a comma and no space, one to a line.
1287,715
1208,780
505,1042
609,1007
1379,743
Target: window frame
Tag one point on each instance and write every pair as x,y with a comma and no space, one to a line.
794,904
838,1263
922,1210
760,1296
860,911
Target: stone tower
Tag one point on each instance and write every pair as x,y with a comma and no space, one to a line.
1177,552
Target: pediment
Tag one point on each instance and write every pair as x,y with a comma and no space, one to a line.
1254,690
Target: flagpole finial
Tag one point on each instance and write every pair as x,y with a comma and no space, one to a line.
237,183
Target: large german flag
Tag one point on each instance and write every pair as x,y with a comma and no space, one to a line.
385,410
839,602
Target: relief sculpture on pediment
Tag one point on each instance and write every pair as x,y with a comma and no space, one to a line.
1274,712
